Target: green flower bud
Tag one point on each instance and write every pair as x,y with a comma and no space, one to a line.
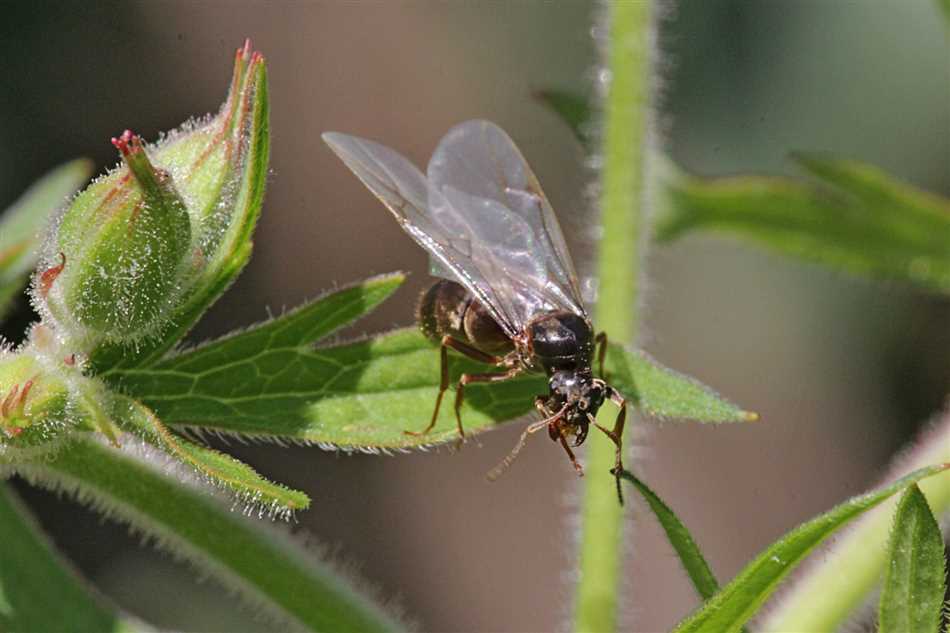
44,397
35,407
122,246
167,227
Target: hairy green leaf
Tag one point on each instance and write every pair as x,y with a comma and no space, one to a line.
679,537
269,382
854,218
573,109
821,598
251,557
38,592
663,393
21,226
217,468
738,601
914,582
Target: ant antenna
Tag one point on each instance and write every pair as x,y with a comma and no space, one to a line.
500,469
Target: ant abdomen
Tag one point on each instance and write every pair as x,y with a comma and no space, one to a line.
448,309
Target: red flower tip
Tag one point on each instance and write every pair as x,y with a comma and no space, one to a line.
245,51
124,142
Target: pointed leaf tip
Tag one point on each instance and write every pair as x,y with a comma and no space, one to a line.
914,585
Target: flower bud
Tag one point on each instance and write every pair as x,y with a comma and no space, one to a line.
122,247
143,250
34,406
44,397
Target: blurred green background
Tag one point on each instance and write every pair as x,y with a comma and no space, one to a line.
842,371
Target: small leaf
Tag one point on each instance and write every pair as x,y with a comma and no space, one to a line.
220,470
37,591
856,218
738,601
667,394
914,582
679,537
573,109
253,558
269,382
21,226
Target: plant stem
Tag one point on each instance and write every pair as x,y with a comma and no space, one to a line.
248,556
624,148
827,595
38,591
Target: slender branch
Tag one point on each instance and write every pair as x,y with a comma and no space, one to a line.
624,148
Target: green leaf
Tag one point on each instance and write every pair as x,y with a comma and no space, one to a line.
738,601
21,226
666,394
251,557
255,492
914,583
854,218
37,590
573,109
269,382
822,598
679,537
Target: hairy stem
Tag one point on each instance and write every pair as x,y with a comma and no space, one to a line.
261,564
624,149
38,590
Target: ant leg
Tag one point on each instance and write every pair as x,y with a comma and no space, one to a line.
616,435
470,378
443,385
466,350
570,454
601,342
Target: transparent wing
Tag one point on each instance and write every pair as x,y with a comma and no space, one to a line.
404,190
478,179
